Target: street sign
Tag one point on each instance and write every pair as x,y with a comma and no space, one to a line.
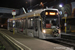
65,24
65,15
13,21
13,12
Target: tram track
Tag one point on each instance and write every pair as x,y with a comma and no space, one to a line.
64,42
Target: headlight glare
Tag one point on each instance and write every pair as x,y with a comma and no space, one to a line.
44,31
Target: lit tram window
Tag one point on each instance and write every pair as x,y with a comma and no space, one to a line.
52,13
57,13
46,13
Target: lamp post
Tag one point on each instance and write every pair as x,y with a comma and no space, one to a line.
65,21
65,15
60,14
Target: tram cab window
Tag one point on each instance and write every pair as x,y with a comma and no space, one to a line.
10,24
54,22
47,21
51,23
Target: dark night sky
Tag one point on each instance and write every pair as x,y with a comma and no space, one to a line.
20,3
17,4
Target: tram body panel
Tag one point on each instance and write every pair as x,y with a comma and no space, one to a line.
25,31
47,31
39,25
30,32
25,26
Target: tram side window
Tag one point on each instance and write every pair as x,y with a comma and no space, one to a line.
24,23
10,24
35,23
30,23
16,24
21,23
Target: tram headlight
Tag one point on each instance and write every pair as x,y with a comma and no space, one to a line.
44,31
46,13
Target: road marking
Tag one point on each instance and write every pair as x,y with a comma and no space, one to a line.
18,42
12,41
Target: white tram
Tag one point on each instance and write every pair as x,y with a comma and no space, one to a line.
43,23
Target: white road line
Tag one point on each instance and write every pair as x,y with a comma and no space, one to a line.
18,42
15,43
12,41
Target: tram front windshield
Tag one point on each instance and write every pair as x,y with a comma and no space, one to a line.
51,23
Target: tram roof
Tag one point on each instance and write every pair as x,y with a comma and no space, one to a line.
34,12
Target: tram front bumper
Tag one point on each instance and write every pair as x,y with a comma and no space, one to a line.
49,36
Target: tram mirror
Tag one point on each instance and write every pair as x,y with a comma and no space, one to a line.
60,12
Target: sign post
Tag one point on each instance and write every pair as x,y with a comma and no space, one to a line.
65,24
13,13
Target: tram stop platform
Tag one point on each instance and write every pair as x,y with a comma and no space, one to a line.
24,42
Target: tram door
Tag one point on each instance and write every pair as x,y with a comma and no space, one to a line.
36,27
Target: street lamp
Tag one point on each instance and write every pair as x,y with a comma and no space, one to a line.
60,5
65,15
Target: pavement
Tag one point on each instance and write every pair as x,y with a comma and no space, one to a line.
30,43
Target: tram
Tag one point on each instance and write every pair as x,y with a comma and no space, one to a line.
43,23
